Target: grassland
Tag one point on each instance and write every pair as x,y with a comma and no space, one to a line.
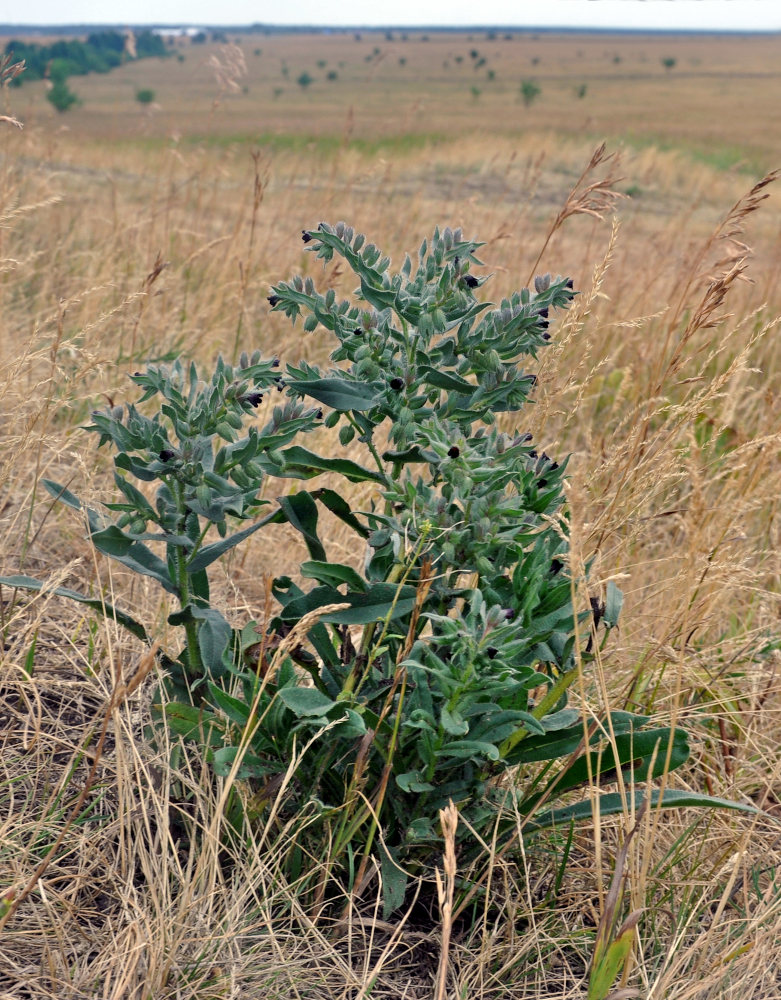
130,233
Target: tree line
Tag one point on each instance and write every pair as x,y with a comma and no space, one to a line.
101,52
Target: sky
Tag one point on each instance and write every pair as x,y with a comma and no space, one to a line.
734,15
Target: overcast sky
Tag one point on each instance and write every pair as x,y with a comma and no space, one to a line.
740,15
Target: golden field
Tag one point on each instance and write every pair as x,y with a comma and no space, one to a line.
127,233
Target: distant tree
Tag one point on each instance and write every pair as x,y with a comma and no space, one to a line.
305,80
668,62
332,75
199,38
581,91
112,40
150,44
61,97
529,91
145,95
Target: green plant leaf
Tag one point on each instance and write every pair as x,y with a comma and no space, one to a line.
237,710
339,506
612,803
614,600
412,781
405,456
470,748
207,555
372,606
304,702
394,881
453,723
607,965
214,635
107,610
62,494
339,394
193,723
300,511
113,542
333,574
447,380
251,765
304,464
634,753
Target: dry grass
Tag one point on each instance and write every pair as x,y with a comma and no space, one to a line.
663,384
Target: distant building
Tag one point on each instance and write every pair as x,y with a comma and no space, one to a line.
177,32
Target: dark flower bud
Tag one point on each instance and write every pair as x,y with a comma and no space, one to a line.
544,312
397,383
305,236
532,454
358,332
542,483
509,614
319,415
492,652
454,452
253,398
166,455
546,336
570,283
556,566
275,363
273,300
470,281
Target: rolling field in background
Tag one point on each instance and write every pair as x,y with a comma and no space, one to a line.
129,233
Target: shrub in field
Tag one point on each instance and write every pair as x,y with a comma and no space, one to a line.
439,665
61,97
530,91
145,95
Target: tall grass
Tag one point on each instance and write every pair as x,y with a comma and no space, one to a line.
663,383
